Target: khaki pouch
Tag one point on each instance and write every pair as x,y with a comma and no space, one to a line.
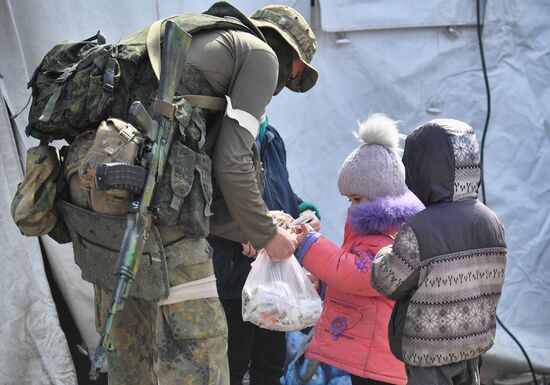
32,207
79,195
113,141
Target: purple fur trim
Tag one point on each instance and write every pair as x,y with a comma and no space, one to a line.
383,214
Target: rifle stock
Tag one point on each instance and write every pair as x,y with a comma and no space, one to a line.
174,52
139,219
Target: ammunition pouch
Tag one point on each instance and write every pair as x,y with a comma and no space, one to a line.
115,141
185,190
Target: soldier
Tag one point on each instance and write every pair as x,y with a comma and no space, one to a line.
184,341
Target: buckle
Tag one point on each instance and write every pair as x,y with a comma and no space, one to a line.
168,110
108,86
109,76
67,73
128,132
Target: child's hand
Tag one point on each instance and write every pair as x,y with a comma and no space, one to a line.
308,216
301,232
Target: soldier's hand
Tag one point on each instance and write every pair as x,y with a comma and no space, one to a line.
282,246
249,250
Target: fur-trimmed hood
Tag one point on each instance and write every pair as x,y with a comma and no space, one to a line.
383,215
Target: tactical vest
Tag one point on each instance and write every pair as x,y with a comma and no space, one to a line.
185,192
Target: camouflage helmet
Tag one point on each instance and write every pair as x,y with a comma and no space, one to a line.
294,29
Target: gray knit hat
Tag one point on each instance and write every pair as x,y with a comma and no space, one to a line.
374,170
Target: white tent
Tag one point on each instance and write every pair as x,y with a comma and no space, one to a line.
414,61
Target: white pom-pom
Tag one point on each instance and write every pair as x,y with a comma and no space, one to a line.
379,129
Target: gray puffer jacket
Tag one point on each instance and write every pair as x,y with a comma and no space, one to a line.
445,269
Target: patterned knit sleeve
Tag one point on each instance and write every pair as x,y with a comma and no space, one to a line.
395,270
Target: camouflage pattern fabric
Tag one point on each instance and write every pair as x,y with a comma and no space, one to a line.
294,29
183,343
32,207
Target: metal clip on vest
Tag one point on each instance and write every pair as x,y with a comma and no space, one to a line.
168,110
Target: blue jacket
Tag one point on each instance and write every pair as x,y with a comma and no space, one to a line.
230,265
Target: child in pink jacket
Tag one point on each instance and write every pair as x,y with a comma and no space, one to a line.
352,333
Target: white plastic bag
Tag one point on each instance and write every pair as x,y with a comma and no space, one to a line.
277,295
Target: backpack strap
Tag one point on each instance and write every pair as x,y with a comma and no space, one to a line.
57,88
213,103
154,52
224,9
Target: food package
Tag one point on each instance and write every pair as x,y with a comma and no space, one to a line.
278,295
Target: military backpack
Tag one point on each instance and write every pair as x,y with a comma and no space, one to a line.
78,84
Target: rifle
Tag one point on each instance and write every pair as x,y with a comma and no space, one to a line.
160,130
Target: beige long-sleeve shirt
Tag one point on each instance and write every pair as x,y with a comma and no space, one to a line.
243,67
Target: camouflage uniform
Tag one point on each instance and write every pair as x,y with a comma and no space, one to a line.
183,343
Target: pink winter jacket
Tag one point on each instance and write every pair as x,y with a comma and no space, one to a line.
352,333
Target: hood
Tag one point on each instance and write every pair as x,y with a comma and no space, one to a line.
442,162
383,215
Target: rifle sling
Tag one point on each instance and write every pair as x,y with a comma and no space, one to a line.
153,45
213,103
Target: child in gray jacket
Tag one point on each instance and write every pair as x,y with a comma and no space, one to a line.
445,269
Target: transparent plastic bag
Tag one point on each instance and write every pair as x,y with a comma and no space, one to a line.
277,295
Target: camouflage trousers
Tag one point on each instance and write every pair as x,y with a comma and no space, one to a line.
182,343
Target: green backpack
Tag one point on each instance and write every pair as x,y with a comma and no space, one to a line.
79,84
75,87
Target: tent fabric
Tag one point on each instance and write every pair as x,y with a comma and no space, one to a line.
360,15
413,61
33,348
